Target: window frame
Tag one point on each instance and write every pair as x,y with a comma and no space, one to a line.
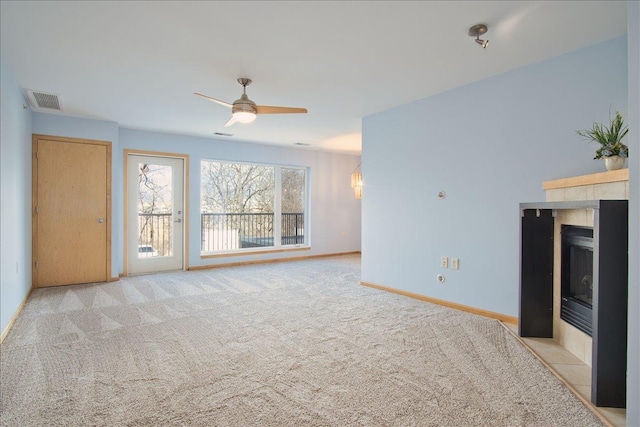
277,212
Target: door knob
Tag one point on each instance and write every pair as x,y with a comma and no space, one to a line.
178,220
100,220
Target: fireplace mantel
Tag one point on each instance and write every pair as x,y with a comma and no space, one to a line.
610,283
612,185
619,175
571,204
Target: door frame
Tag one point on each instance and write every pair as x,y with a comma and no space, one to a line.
185,180
34,199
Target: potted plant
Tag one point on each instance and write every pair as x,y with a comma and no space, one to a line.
612,150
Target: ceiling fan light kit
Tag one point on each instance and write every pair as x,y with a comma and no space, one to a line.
478,30
244,116
244,110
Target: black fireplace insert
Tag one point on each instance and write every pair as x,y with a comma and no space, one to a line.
576,307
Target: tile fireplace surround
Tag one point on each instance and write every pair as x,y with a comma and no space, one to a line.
588,201
613,185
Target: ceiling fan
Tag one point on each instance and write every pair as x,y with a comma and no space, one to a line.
244,110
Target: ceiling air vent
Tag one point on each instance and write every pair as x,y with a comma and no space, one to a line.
39,99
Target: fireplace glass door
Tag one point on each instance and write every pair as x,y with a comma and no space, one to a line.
577,277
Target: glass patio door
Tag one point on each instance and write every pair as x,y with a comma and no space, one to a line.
155,214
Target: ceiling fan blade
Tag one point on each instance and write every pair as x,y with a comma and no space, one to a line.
267,109
231,121
226,104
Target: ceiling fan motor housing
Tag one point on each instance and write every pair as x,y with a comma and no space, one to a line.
244,104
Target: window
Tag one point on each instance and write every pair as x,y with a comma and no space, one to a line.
244,206
154,210
292,197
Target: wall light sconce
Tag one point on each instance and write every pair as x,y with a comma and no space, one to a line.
478,30
356,182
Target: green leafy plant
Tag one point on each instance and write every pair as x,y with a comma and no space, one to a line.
609,138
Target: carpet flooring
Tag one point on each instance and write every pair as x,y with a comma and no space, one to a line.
290,344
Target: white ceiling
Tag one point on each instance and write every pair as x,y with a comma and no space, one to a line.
138,63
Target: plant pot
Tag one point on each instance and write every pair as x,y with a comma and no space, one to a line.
613,163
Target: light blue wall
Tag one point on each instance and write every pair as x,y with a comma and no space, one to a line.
74,127
488,146
15,196
58,125
334,215
633,140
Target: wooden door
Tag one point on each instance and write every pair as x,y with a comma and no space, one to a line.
72,203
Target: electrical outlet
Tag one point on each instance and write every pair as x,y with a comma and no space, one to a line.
444,262
455,263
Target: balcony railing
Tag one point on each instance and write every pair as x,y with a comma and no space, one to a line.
292,229
155,230
223,232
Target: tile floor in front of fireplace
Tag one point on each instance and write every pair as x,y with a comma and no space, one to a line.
572,370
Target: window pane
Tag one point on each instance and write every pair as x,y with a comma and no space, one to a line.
236,201
154,210
292,208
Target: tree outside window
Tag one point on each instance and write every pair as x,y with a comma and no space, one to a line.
238,206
